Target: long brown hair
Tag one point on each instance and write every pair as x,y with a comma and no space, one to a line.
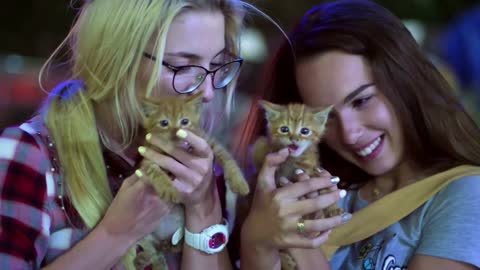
439,134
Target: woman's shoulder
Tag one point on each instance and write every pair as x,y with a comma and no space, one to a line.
464,186
17,137
24,157
461,196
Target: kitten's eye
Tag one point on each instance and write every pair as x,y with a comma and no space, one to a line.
305,131
164,123
184,122
284,129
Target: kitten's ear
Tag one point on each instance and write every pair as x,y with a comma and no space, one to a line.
272,111
195,99
321,115
148,106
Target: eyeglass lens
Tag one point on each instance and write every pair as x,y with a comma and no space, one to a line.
189,78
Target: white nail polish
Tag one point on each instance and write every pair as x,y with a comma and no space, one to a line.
343,193
334,179
298,171
346,217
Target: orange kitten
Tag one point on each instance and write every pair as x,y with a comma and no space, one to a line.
298,128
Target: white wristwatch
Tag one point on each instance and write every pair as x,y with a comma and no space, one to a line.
211,240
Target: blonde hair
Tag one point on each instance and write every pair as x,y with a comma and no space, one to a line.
107,42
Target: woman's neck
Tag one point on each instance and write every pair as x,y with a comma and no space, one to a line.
112,135
403,175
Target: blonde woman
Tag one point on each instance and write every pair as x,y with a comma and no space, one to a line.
69,196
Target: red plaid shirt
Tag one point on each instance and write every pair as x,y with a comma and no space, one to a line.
34,229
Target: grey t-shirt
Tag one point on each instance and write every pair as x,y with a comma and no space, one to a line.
446,226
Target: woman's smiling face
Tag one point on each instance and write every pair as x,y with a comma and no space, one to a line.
363,127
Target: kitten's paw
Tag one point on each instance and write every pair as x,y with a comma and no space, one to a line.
287,261
142,260
169,194
333,211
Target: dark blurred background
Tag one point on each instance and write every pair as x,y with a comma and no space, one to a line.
30,30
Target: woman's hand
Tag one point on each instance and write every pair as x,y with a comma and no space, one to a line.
135,211
275,212
191,163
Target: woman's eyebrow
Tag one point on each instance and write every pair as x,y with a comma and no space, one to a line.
181,54
355,92
189,55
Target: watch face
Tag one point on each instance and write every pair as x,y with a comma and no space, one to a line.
217,240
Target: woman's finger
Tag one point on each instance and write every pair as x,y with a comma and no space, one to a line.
171,165
308,206
283,181
266,176
301,241
301,176
320,225
184,151
189,144
195,144
299,189
183,186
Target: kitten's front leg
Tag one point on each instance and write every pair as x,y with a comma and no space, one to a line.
160,181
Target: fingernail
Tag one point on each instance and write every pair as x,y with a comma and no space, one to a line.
319,169
139,173
284,151
181,134
346,217
298,171
334,180
148,136
343,193
142,150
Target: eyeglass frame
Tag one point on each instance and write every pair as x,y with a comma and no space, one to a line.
175,69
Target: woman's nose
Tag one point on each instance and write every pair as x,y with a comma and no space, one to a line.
350,128
207,87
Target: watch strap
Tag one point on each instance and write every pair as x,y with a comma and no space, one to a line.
211,240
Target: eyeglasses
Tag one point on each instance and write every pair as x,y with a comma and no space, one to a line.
188,78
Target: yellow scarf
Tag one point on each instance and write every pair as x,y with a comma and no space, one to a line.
392,208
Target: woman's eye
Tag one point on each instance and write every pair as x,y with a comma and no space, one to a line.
216,65
359,102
